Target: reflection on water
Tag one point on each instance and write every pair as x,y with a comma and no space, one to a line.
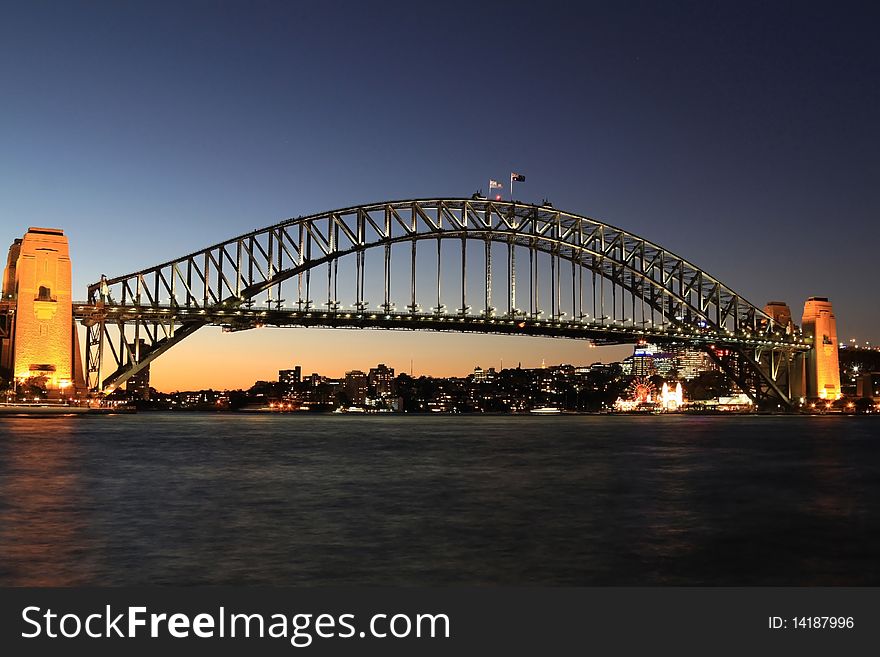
579,500
42,539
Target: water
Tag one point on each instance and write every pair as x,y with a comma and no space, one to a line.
321,500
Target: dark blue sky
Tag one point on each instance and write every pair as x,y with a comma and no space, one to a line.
743,136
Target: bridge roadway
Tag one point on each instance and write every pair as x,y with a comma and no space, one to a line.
597,331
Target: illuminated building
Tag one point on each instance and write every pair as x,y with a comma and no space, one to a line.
356,386
692,362
486,376
822,369
381,378
664,363
671,399
290,379
648,360
138,386
42,341
641,363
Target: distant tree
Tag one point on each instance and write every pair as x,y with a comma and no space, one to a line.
237,399
859,360
31,387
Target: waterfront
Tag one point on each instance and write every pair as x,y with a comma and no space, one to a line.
404,500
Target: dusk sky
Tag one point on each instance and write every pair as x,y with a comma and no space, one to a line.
742,136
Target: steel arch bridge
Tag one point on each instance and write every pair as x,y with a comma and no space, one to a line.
505,267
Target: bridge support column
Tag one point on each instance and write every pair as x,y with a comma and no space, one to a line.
41,337
822,366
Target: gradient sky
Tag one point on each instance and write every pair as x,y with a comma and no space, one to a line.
743,136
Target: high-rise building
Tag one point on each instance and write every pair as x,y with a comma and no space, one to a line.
665,364
822,369
381,378
641,363
138,385
290,379
356,386
692,362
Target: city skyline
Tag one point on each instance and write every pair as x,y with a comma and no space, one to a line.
356,349
653,378
152,138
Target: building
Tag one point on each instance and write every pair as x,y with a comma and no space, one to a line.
290,379
138,385
675,360
665,364
692,362
356,385
868,385
484,376
822,367
381,379
39,338
641,363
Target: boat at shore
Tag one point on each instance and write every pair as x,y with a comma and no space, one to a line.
545,410
350,409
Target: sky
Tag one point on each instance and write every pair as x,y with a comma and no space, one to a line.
742,136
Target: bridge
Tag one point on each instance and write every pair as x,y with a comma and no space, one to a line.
446,264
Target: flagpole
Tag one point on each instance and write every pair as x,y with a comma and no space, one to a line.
511,186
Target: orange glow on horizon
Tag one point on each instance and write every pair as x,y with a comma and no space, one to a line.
213,359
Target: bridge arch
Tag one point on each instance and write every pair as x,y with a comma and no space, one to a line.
244,282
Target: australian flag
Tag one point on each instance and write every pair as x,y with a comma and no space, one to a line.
517,177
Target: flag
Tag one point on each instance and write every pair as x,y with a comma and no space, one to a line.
517,177
494,184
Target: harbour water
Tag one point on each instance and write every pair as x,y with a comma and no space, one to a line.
303,499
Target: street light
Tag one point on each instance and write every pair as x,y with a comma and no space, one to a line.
65,384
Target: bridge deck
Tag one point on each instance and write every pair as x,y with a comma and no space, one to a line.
600,332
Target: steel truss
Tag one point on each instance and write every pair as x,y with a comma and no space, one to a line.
597,281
